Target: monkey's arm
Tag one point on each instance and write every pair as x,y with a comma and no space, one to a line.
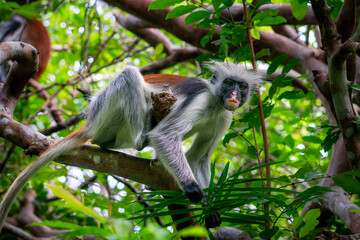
167,144
166,138
199,156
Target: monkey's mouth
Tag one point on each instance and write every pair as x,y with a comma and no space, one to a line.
232,104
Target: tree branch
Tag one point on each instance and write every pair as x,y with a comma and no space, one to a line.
27,61
144,30
337,55
345,20
356,15
146,171
178,55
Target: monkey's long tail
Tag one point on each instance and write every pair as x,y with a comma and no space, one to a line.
72,141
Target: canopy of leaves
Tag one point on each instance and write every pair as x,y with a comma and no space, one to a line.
89,49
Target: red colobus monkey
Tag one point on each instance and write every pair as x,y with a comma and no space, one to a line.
31,31
120,117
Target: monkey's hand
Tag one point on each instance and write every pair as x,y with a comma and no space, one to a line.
213,220
194,192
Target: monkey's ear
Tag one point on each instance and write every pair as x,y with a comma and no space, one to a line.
213,78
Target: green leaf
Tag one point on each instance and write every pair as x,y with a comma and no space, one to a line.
7,9
257,217
255,33
81,231
310,222
356,87
280,1
197,16
261,166
212,176
260,189
252,151
165,193
263,52
238,34
242,218
299,8
228,138
207,38
165,203
216,4
289,65
180,10
348,183
242,54
331,138
297,222
276,63
353,172
275,84
254,101
224,174
301,172
289,141
354,210
57,224
159,49
268,21
312,139
267,234
307,228
335,8
163,4
183,220
313,191
228,3
297,94
195,231
265,14
74,203
312,214
313,175
122,228
165,213
204,57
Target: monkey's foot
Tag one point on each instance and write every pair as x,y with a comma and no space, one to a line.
213,220
194,192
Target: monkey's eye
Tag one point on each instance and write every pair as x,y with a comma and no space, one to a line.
243,86
228,84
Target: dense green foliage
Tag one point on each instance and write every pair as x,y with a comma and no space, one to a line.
300,138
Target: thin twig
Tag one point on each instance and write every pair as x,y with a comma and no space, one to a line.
261,114
7,157
18,231
138,196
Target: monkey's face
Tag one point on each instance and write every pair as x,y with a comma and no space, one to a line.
233,93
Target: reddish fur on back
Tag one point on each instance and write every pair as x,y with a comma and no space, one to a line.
36,34
159,79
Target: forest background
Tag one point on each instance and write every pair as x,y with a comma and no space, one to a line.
309,165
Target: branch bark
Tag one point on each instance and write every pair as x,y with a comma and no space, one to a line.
26,64
337,54
144,30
